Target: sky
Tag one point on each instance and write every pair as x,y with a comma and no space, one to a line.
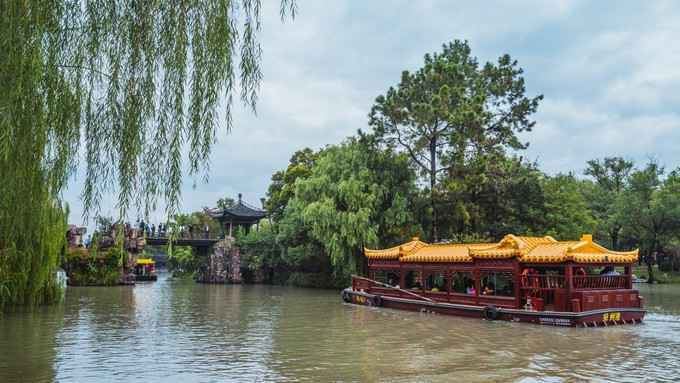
609,72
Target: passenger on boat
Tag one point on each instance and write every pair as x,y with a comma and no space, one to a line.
471,289
609,270
489,289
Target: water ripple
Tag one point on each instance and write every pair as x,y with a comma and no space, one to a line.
174,331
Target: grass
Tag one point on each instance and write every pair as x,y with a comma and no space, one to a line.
660,276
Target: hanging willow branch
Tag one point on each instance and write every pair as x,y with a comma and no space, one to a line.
137,83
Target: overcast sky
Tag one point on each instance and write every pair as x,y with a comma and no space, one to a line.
609,71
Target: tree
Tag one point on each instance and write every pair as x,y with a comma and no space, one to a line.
567,214
357,195
650,211
282,188
453,108
197,220
225,203
611,176
111,75
495,195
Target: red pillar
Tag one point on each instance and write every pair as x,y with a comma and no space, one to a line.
569,281
628,270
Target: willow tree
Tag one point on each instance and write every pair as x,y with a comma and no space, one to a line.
357,194
453,109
130,86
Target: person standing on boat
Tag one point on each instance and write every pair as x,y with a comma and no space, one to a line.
470,290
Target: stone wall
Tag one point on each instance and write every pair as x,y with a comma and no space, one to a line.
222,265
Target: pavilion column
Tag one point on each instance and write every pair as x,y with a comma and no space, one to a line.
231,228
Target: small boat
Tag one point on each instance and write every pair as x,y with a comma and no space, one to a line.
522,279
145,269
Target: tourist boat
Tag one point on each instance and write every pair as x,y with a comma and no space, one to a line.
145,269
521,279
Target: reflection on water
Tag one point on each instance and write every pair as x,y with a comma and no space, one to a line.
175,331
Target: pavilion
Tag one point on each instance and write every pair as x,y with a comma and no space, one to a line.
240,214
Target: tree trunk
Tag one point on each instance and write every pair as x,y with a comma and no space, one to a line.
650,270
433,182
649,260
615,238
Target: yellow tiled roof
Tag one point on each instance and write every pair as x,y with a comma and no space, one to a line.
526,249
548,253
395,252
444,252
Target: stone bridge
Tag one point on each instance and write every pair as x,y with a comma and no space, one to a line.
221,259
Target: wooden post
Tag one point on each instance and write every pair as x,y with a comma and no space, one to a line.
569,284
231,228
628,270
448,277
478,283
402,277
516,282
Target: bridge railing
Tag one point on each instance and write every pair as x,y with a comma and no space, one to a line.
186,235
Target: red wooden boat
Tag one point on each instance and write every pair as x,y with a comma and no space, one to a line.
523,279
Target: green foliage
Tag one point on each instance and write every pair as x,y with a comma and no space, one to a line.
356,195
225,202
647,208
454,109
494,195
259,249
611,177
198,220
182,260
138,83
282,188
566,214
318,280
94,268
28,263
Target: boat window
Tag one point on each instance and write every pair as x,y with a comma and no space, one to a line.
436,281
462,282
413,280
386,276
498,283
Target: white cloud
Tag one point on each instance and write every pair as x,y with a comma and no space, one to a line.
609,72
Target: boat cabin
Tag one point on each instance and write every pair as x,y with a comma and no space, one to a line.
145,269
531,273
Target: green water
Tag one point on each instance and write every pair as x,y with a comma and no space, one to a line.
172,331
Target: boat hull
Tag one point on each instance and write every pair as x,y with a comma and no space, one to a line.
592,318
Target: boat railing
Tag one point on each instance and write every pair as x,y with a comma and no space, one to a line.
542,282
602,282
367,284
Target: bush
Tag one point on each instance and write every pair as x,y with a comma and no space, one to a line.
319,280
90,268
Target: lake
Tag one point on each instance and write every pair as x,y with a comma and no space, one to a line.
179,331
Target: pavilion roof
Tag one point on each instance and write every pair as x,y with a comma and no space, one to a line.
526,249
240,209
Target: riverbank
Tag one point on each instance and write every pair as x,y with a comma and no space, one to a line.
659,276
